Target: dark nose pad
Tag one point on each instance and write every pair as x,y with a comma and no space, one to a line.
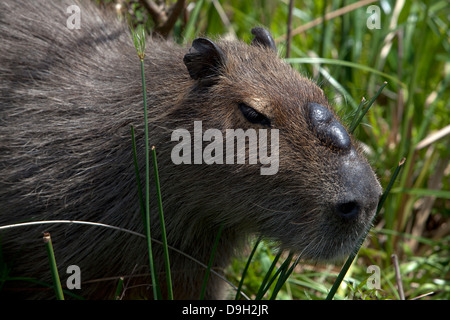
348,210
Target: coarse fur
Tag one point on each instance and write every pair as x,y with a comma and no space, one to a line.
67,101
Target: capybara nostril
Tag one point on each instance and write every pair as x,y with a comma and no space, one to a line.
348,210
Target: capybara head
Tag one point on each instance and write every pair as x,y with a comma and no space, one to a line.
321,193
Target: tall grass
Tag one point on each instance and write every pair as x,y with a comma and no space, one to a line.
53,267
139,42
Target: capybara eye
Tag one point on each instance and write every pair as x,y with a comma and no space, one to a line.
253,116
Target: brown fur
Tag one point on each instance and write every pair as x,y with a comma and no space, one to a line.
67,100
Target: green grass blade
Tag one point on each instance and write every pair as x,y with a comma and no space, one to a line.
444,194
189,31
390,184
163,227
138,179
284,275
278,274
369,104
244,272
155,286
211,260
341,275
53,267
139,42
347,64
118,289
265,284
354,124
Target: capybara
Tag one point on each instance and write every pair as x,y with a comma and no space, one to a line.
68,98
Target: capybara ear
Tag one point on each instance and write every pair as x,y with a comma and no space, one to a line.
204,59
263,38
